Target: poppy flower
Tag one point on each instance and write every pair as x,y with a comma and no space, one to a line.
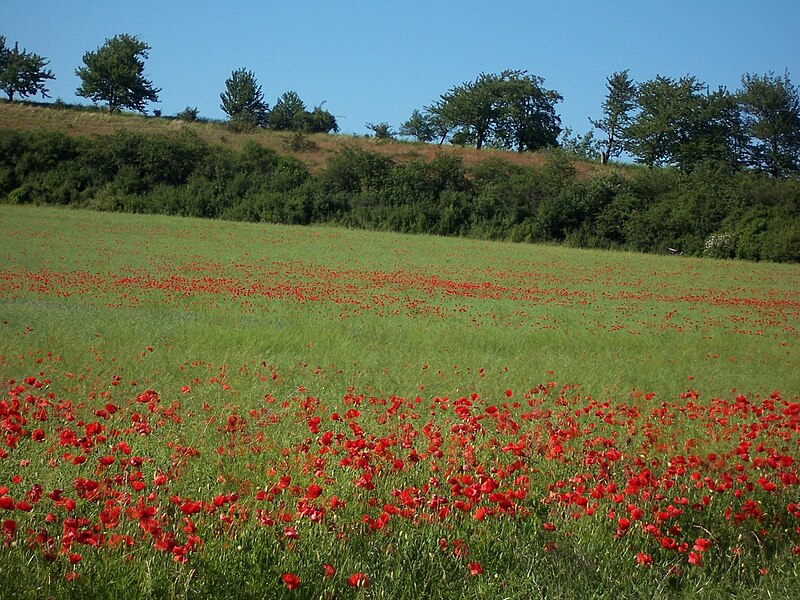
358,580
291,580
475,568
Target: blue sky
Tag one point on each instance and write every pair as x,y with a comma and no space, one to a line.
373,61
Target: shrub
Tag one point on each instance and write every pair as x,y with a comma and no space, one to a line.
720,245
298,141
188,114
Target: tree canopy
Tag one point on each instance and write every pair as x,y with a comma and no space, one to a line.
682,123
617,107
508,110
290,114
114,73
771,117
243,100
22,73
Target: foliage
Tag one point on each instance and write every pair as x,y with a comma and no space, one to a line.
585,146
188,114
506,110
320,120
289,113
617,107
771,107
22,73
243,100
647,210
664,120
668,122
381,131
530,121
299,142
114,73
419,126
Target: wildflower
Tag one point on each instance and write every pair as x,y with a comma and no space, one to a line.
358,580
291,580
701,544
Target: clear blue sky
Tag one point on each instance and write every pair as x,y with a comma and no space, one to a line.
373,61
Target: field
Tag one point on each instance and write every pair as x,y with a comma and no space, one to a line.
207,409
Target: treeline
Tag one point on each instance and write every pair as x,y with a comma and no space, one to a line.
114,74
708,211
680,123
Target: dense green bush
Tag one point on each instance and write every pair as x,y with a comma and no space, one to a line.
707,211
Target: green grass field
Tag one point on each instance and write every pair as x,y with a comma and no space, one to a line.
449,398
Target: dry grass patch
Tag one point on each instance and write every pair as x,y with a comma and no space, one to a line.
24,116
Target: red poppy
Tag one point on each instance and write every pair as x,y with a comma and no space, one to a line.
358,580
291,580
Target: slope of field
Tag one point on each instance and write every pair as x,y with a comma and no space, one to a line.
23,116
207,409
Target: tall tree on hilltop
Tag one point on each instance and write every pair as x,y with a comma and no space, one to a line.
289,113
419,126
507,110
771,114
617,107
114,73
22,73
681,123
530,121
243,100
474,107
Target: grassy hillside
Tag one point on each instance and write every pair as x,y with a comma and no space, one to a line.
29,116
131,163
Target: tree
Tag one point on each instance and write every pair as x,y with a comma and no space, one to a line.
584,146
320,120
420,126
289,113
713,132
680,122
382,130
619,102
243,100
506,110
114,73
22,73
771,115
662,102
529,121
473,107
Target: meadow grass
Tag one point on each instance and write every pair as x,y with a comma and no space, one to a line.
247,332
390,304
